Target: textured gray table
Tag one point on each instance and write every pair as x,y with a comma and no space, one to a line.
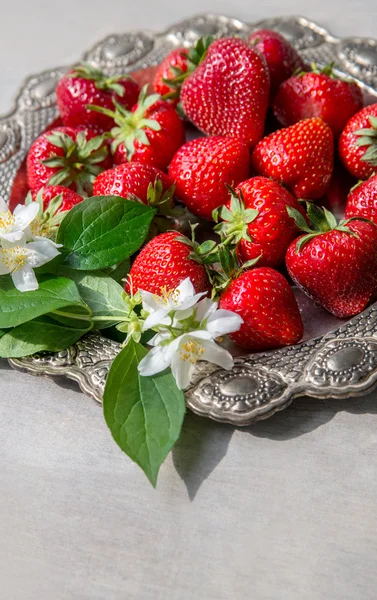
285,510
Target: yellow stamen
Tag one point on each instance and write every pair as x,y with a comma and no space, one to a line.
192,351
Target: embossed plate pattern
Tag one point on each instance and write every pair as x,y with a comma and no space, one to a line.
342,363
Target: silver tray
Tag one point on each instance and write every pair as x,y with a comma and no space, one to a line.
341,362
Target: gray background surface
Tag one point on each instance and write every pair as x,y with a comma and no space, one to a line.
285,509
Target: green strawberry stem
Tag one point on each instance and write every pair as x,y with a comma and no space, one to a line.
195,57
88,71
235,221
130,125
80,163
321,221
368,137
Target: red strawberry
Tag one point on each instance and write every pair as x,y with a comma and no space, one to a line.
68,157
87,84
362,200
281,57
164,263
69,198
358,143
150,134
268,307
173,65
129,179
335,263
318,94
256,218
341,183
301,157
203,166
227,94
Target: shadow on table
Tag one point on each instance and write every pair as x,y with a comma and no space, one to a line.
4,365
204,443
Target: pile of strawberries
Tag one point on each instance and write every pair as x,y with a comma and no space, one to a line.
285,145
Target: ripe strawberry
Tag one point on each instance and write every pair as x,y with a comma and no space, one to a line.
68,198
150,134
227,94
87,84
256,218
281,57
129,179
362,200
358,143
318,93
335,263
268,307
335,198
173,65
164,263
68,157
300,157
203,166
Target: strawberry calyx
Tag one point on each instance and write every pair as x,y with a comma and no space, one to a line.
235,220
194,57
80,163
321,221
220,259
130,125
167,214
368,137
88,71
47,221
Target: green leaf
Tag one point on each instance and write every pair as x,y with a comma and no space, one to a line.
144,414
19,307
102,294
38,335
103,231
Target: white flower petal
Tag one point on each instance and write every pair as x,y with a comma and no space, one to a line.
223,321
182,371
205,308
157,317
4,270
41,252
24,215
3,205
158,359
40,238
13,236
150,301
159,337
24,279
201,334
6,244
217,355
189,302
186,289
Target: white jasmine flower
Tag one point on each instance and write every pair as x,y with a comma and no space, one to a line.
20,259
15,227
160,306
200,326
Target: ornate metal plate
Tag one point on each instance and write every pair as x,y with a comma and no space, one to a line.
341,362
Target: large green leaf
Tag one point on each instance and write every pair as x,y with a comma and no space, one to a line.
19,307
102,294
144,414
103,231
40,334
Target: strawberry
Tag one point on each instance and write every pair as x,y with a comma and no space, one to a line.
164,263
87,84
256,218
129,179
300,157
150,134
335,198
203,166
318,93
68,157
358,143
227,93
335,263
281,57
362,200
173,65
265,301
69,198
